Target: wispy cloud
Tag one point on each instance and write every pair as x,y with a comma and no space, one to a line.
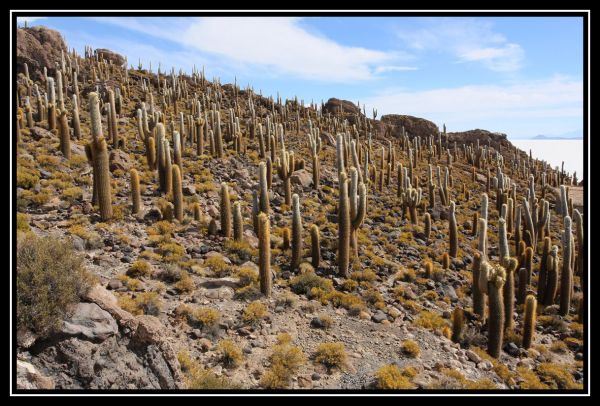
276,44
392,68
28,20
468,40
474,106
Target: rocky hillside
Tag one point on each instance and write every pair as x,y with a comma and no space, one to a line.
197,235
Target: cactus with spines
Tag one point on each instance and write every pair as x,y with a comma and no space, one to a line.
76,123
578,219
51,115
344,226
167,167
542,220
264,254
478,293
427,229
225,211
218,137
528,263
285,167
429,269
543,272
65,136
151,153
528,224
315,246
502,239
412,198
529,321
357,195
196,211
458,323
523,285
475,223
482,243
263,188
113,118
496,280
552,279
296,232
135,191
177,149
484,206
517,229
508,292
286,236
99,153
566,278
238,222
177,193
453,230
445,261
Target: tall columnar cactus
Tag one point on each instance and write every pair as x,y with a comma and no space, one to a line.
496,279
263,188
225,211
65,136
484,206
412,198
453,230
238,222
427,230
578,219
502,239
478,294
552,278
315,245
296,232
445,261
218,136
517,230
508,293
177,149
264,254
566,278
344,226
285,168
177,193
135,191
482,245
529,223
76,123
529,263
543,273
458,323
151,153
529,321
358,207
51,104
475,223
523,285
100,157
113,117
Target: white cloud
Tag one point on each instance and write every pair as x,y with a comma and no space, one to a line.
540,103
392,68
468,40
277,45
28,20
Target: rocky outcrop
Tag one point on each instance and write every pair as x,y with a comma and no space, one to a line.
414,126
334,105
483,136
110,56
38,47
101,346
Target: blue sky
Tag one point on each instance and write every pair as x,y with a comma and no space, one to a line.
519,75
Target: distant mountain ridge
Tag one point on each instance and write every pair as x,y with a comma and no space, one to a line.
549,137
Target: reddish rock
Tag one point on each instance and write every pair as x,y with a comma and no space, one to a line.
38,47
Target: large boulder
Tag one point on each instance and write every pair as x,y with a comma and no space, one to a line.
28,377
110,56
484,137
334,106
414,126
88,320
38,47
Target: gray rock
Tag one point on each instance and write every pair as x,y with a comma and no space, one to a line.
28,377
379,316
90,321
473,356
25,338
302,178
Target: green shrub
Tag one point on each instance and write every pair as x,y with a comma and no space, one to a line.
50,278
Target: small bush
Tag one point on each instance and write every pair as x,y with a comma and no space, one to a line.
286,300
286,360
410,348
304,283
391,377
217,264
249,292
139,268
229,354
254,313
364,276
143,303
558,375
202,317
23,222
529,379
199,378
247,275
50,278
429,320
186,283
332,355
559,347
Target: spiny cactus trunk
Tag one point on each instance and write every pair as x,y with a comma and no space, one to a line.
225,211
264,254
101,165
65,136
135,191
458,322
496,312
343,227
315,244
566,278
508,292
238,222
296,233
529,321
177,193
453,231
478,295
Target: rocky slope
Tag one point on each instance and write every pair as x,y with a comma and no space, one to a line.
179,306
